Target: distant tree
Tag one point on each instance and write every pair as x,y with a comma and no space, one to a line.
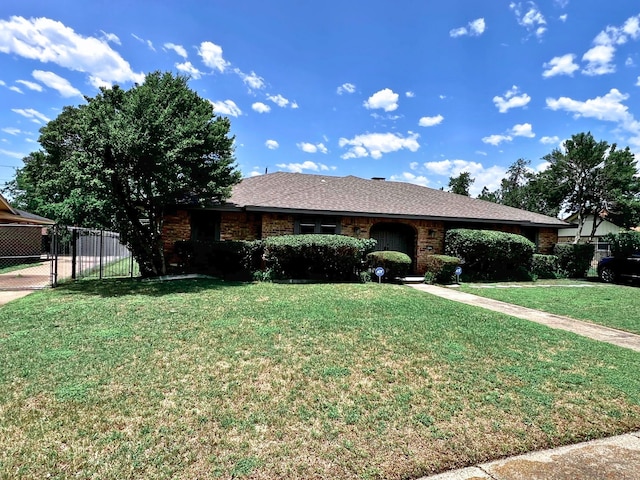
123,157
461,183
594,179
488,195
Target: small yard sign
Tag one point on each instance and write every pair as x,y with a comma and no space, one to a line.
379,271
458,273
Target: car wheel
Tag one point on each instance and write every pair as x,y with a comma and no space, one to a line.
608,275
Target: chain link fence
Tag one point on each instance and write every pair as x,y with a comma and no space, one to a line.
33,257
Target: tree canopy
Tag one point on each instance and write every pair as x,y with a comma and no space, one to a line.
120,159
586,177
461,183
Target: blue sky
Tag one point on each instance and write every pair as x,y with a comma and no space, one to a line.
409,90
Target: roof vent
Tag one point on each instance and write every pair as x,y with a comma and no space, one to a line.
382,179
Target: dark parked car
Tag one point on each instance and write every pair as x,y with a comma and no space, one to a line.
613,269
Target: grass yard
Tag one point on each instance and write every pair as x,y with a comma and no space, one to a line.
616,306
200,379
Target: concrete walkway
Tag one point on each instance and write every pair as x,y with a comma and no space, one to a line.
586,329
615,458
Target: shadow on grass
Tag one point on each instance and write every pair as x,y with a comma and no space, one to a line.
120,287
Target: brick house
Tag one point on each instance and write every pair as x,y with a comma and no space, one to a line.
400,216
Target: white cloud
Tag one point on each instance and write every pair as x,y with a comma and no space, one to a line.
607,108
410,178
346,88
511,100
601,56
377,144
638,82
47,40
31,114
563,18
189,69
629,62
56,82
308,165
30,85
251,80
561,3
496,140
110,37
148,43
474,28
599,60
2,83
179,49
409,94
550,140
530,18
12,131
483,176
563,65
294,105
16,89
523,130
271,144
226,107
279,100
312,148
211,55
386,99
430,121
261,107
8,153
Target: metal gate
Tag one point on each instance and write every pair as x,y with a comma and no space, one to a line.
33,257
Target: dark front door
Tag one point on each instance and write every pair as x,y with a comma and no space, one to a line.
395,236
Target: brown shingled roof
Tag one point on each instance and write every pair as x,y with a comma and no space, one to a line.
297,192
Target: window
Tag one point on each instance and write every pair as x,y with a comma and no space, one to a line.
320,224
205,225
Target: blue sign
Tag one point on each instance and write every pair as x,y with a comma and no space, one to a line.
379,271
458,271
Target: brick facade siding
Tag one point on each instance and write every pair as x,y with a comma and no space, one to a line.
429,234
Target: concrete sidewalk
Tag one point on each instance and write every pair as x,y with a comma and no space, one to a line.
10,295
615,458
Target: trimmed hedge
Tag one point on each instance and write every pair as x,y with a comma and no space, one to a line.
544,266
395,264
574,259
440,268
491,255
623,244
315,256
226,259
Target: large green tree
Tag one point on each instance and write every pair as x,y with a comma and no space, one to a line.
461,183
595,179
120,159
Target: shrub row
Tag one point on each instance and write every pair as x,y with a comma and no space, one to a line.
395,264
440,268
574,259
491,255
320,257
623,244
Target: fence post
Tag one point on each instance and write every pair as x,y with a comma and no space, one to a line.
54,246
101,251
74,252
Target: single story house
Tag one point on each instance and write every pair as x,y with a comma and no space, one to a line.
23,235
400,216
568,234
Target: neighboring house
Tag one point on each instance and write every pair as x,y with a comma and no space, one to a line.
568,234
400,216
23,235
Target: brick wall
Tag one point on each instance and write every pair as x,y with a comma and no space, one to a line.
429,234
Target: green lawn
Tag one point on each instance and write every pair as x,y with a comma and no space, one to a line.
201,379
616,306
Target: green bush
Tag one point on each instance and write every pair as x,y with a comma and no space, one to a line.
623,244
395,264
491,255
544,266
574,259
440,268
228,259
316,257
